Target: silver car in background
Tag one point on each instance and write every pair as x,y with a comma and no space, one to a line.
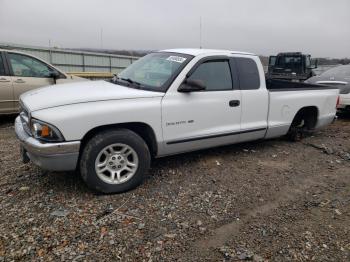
340,77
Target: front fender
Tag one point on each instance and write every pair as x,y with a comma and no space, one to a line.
75,120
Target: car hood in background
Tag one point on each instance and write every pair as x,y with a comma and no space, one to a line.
81,92
342,83
338,76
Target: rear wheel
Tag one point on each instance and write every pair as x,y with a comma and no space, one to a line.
296,133
114,161
303,123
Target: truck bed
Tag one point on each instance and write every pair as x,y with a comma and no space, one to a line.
286,98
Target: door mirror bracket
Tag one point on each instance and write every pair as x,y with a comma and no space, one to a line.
191,86
54,75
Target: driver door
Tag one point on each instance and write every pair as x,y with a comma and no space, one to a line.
27,73
203,119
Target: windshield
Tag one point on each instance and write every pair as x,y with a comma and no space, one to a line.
154,72
289,61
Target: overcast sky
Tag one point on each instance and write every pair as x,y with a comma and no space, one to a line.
265,27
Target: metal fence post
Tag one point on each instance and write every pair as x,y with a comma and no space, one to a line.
83,56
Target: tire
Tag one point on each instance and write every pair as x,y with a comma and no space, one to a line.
300,127
109,144
295,134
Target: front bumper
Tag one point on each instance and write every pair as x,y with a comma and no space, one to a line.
49,156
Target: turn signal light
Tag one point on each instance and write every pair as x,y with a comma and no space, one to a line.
45,131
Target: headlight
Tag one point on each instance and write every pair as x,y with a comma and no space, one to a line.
45,132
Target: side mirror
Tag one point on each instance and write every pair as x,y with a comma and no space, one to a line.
55,75
191,86
272,60
314,63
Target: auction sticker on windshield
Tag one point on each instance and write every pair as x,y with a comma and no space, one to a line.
177,59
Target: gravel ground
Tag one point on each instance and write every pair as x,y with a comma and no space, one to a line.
263,201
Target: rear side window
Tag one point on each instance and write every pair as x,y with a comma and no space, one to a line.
249,77
2,68
215,75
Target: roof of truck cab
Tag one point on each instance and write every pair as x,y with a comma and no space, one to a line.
198,51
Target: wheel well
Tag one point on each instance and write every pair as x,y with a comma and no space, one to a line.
142,129
309,114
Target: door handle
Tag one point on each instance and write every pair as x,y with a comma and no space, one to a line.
20,81
3,80
234,103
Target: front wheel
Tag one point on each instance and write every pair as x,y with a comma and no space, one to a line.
115,161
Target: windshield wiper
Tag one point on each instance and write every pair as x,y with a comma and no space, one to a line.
131,82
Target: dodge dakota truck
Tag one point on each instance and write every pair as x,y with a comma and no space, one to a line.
166,103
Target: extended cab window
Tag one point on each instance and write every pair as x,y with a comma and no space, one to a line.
249,77
27,66
215,75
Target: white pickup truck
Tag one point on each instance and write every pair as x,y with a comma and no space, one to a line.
166,103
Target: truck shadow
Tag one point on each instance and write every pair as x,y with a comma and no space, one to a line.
344,116
66,183
71,183
197,156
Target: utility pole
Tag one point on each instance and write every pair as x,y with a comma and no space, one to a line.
101,38
50,52
200,32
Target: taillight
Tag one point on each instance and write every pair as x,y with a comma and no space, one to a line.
338,102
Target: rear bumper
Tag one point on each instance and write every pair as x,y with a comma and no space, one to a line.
49,156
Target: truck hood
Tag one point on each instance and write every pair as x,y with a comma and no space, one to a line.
80,92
